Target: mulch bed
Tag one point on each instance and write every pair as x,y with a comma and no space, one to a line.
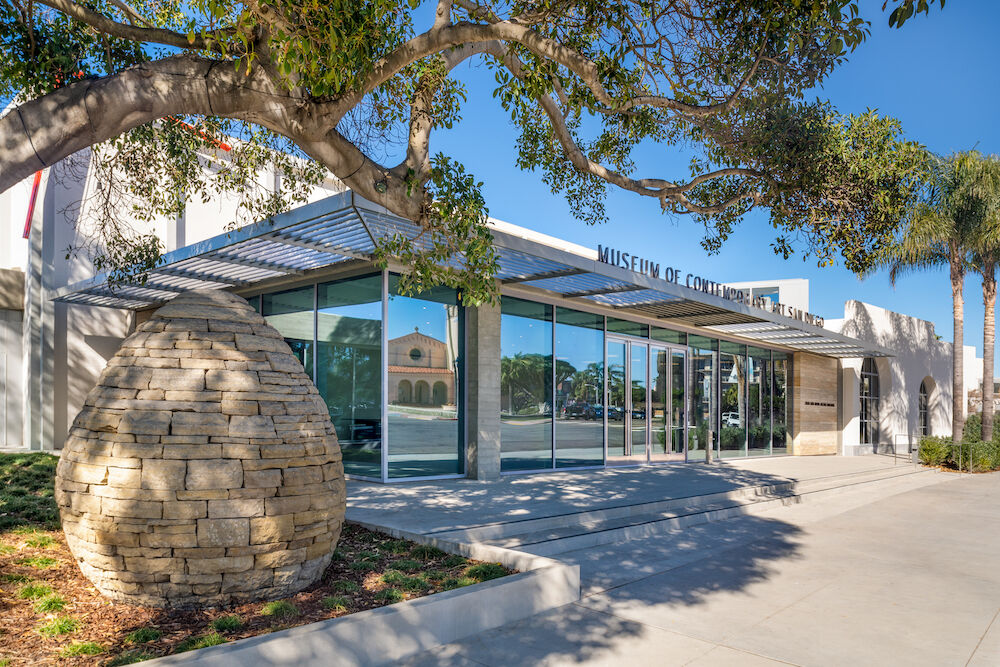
357,578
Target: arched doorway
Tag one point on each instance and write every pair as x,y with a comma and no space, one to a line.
422,393
404,393
440,393
870,396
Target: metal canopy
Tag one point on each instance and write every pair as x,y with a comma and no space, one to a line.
344,227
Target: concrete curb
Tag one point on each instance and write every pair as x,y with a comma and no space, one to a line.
395,632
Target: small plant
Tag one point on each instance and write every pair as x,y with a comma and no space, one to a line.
204,641
406,564
143,635
390,595
485,571
40,562
15,579
32,591
50,603
364,566
406,582
335,603
230,623
40,541
130,658
81,648
397,546
344,586
279,609
435,574
4,662
62,625
368,555
935,451
454,561
6,549
457,582
426,552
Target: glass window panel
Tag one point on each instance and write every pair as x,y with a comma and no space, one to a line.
701,421
637,377
659,408
733,399
781,371
349,368
759,401
678,405
668,336
255,302
615,399
628,328
291,313
579,381
424,349
525,385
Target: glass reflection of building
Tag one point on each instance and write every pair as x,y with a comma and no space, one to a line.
390,368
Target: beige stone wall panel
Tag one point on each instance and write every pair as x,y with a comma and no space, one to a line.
203,469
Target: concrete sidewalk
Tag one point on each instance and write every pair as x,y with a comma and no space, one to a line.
438,506
910,579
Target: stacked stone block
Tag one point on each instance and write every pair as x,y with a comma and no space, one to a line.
204,469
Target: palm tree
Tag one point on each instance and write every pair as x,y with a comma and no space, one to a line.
944,228
985,259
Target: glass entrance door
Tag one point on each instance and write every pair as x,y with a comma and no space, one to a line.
645,402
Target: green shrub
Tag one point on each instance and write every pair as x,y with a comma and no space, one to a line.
230,623
143,635
192,643
32,591
130,658
63,625
279,609
390,595
973,429
485,571
81,648
344,586
50,603
426,552
935,451
335,603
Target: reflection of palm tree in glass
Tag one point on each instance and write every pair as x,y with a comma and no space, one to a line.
526,379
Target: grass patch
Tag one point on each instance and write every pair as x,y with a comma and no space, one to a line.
406,564
38,562
404,581
397,546
453,561
390,595
363,566
81,648
368,555
26,491
50,603
204,641
485,571
31,591
435,575
335,603
130,658
339,555
279,609
62,625
5,662
345,586
143,635
40,541
6,549
230,623
426,552
14,579
457,582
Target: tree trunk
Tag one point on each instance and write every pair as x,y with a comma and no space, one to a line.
958,347
989,343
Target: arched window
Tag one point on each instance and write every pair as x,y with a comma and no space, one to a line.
922,412
869,402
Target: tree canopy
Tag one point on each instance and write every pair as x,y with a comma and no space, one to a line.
357,87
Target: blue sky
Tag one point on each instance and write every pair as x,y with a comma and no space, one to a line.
939,75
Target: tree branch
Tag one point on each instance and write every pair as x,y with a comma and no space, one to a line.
133,33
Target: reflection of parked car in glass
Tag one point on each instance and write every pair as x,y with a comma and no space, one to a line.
731,419
597,411
638,413
615,413
581,410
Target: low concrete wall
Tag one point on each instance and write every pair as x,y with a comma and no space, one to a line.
395,632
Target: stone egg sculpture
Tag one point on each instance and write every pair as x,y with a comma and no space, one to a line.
203,469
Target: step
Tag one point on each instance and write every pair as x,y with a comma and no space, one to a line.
620,529
494,531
